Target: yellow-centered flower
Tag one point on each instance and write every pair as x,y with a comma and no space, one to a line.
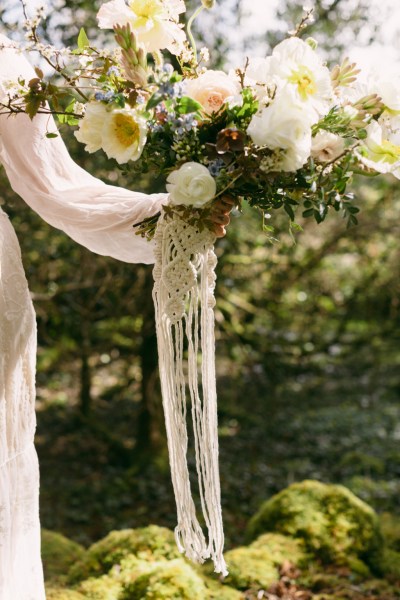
304,79
126,129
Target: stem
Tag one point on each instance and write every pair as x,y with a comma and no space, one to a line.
189,29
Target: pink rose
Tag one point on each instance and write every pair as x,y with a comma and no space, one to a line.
212,89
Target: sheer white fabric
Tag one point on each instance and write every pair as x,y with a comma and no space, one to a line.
94,214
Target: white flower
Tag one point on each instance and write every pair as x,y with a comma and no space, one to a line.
389,91
295,64
120,133
91,126
191,185
155,22
381,149
257,75
283,125
326,146
212,89
124,135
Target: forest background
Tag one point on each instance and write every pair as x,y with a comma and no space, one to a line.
308,349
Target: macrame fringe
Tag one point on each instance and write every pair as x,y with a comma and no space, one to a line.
183,294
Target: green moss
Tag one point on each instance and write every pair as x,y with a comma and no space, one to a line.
250,566
390,564
147,543
58,554
390,525
218,591
59,593
173,580
281,548
333,523
105,587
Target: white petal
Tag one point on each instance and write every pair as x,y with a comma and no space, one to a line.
112,13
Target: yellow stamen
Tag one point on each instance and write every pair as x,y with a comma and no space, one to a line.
126,130
304,79
386,152
147,9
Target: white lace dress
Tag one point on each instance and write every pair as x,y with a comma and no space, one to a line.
94,214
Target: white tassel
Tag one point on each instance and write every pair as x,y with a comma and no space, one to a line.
183,294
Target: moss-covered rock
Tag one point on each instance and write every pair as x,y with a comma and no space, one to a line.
250,567
172,580
218,591
105,587
58,554
59,593
333,523
148,543
390,565
281,548
390,525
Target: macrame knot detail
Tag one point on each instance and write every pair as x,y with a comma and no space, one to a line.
183,294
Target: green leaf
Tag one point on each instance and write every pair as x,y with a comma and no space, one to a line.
308,213
289,210
83,41
51,135
153,101
32,106
186,105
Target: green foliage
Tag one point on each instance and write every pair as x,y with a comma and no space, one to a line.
333,523
377,492
58,554
83,41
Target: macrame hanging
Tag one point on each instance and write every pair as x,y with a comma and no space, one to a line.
183,294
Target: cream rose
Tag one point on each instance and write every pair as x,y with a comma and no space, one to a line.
212,89
326,146
191,185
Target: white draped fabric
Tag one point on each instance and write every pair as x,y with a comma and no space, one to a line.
97,216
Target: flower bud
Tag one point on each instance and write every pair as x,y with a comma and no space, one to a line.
312,43
208,4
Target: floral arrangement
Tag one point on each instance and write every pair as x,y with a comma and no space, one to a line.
277,132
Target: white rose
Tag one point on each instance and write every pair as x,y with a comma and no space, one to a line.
91,126
212,89
155,22
326,146
191,185
124,135
283,125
